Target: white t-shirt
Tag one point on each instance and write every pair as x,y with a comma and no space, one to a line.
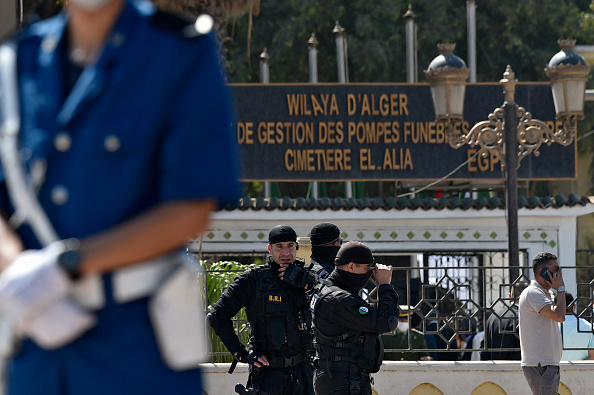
540,338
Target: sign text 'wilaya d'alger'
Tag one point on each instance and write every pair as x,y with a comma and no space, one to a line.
377,132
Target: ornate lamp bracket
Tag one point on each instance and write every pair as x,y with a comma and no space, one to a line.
532,133
487,135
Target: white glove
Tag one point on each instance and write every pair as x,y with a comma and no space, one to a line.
59,324
33,282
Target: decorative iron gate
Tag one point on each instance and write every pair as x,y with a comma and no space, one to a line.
452,293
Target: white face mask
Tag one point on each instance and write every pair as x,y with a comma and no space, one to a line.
90,5
402,326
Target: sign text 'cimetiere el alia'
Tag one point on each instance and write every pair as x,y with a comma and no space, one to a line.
377,132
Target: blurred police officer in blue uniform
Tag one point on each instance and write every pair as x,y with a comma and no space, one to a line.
126,133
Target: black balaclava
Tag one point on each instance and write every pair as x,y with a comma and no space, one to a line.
322,234
357,252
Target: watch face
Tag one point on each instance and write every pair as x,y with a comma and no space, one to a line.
70,261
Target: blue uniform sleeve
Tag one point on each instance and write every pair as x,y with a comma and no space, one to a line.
200,154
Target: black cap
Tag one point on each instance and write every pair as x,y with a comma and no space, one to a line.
354,251
281,233
324,233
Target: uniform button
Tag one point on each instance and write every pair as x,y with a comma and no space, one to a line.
63,141
112,143
59,195
204,24
49,44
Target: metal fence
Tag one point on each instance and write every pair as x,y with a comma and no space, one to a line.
453,293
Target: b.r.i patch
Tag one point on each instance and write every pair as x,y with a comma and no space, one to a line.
363,310
275,298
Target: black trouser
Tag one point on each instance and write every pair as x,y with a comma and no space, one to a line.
293,380
341,378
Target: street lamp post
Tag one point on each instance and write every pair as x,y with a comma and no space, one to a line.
312,44
509,126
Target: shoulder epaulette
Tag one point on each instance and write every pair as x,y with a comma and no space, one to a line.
36,28
182,25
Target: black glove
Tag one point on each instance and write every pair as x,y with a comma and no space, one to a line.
296,276
244,356
248,357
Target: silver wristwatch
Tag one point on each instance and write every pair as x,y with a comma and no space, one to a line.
561,289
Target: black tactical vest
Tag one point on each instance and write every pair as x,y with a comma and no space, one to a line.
364,349
279,317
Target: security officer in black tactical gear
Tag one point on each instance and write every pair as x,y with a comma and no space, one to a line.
325,243
346,328
279,319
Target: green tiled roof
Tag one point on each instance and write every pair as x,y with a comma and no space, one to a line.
402,203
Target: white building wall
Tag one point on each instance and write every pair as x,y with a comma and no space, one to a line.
435,378
551,229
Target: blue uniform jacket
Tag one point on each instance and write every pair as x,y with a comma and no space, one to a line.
150,122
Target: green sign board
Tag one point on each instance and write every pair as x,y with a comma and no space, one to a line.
377,132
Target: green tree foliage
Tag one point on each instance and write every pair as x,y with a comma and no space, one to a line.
285,27
523,34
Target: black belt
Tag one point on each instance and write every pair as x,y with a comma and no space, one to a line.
339,358
287,362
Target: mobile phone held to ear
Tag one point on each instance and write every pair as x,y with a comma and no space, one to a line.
544,273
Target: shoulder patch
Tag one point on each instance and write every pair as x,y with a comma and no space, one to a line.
181,25
363,310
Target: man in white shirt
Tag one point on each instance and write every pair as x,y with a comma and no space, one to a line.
574,339
540,338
